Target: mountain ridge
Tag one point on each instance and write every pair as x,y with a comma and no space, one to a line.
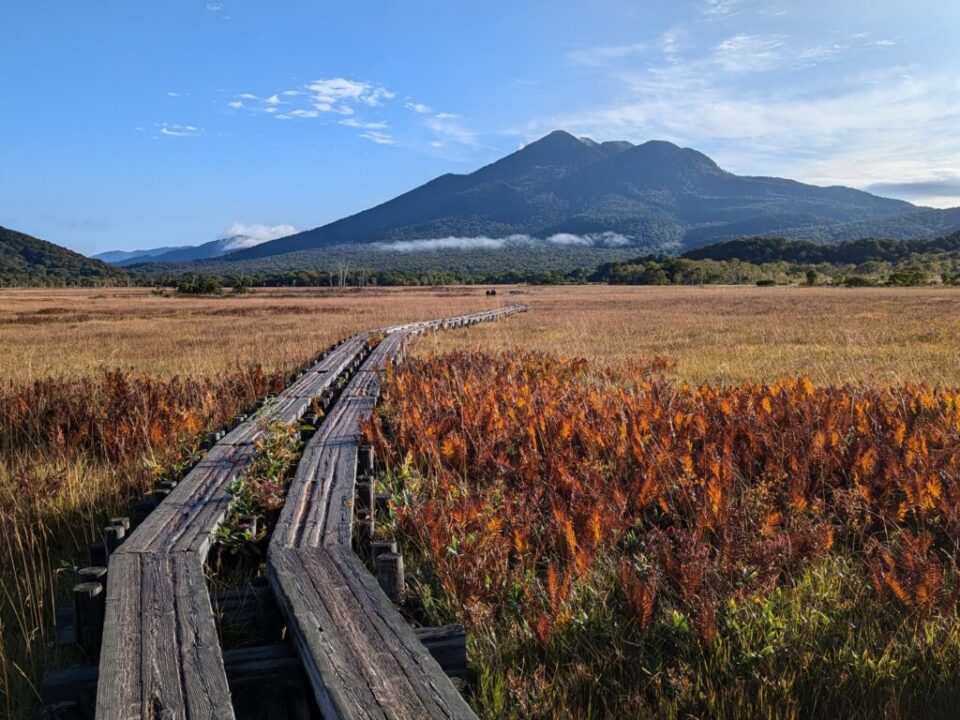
656,193
25,259
179,254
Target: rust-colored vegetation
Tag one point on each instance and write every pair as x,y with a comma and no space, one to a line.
74,451
621,543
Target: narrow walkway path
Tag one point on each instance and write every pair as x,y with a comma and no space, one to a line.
361,657
160,656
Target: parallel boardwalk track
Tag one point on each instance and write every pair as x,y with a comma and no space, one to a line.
160,655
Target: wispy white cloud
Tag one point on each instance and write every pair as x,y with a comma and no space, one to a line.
337,95
482,242
340,94
892,124
214,7
749,53
447,128
760,102
378,137
362,106
242,235
354,123
174,130
418,108
720,8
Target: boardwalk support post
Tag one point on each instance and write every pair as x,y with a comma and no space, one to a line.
367,459
365,496
390,575
382,547
88,601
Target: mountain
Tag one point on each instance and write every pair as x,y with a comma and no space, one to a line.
192,253
120,257
659,196
26,260
208,250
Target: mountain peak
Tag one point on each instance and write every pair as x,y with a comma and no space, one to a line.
560,141
666,157
655,193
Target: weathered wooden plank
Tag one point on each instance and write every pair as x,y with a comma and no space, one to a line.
332,674
119,690
201,663
430,684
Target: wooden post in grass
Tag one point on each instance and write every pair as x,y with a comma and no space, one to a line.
88,604
113,537
366,459
365,528
448,645
365,496
97,574
390,575
382,547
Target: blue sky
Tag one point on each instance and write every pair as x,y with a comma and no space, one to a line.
133,125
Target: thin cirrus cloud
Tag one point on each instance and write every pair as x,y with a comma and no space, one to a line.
720,8
178,131
380,138
354,123
347,100
749,53
766,103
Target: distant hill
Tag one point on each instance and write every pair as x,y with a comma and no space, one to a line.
122,257
659,196
854,252
26,260
183,254
206,251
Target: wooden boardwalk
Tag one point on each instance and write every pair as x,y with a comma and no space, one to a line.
160,655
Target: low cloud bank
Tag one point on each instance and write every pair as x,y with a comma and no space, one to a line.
605,239
240,235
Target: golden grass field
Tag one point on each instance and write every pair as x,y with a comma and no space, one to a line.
712,333
730,334
66,332
56,497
